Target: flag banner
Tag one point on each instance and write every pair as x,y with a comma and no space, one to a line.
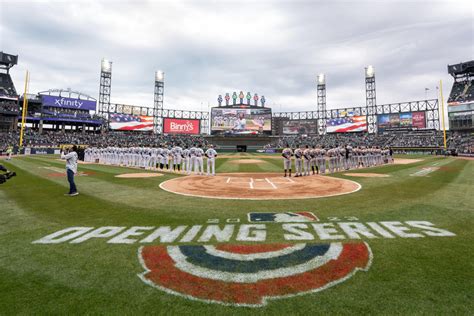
347,124
124,122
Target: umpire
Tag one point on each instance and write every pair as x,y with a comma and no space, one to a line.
71,169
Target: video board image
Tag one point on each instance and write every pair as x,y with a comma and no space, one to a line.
398,121
300,127
241,121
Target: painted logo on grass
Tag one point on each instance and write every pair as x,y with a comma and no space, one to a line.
287,217
249,275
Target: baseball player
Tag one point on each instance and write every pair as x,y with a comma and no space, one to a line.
211,155
307,160
287,153
177,157
186,159
199,161
192,161
321,160
314,163
298,162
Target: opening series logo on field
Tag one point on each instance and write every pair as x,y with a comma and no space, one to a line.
232,263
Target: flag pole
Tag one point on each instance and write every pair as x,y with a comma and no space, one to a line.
442,114
25,107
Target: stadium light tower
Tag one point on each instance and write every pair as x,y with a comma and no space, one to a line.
321,104
158,103
105,87
370,100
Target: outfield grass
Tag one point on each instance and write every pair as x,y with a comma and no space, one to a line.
431,275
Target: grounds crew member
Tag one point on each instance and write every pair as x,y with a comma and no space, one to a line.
286,154
71,169
211,155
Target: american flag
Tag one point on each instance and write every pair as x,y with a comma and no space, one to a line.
124,122
347,124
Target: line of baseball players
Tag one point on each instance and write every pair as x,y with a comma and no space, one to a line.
335,159
171,158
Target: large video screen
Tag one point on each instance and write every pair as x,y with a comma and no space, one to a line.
399,121
241,121
347,124
298,127
180,126
125,122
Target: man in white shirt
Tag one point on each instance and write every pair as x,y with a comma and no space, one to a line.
211,155
71,169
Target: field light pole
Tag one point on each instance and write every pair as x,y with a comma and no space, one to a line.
158,102
370,99
321,104
105,88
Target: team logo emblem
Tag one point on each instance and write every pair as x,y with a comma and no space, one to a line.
288,217
250,275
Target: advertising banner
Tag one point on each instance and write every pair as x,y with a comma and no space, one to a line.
124,122
394,120
405,119
181,126
295,127
419,119
347,124
68,103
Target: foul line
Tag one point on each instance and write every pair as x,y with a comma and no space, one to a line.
271,183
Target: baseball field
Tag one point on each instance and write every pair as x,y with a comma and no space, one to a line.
397,241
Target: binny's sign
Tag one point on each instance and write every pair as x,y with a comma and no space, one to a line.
180,126
68,103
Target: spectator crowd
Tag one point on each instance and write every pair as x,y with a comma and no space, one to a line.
462,142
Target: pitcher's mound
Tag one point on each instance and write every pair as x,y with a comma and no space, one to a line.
367,175
139,175
246,161
259,186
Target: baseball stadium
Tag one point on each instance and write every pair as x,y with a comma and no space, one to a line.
240,209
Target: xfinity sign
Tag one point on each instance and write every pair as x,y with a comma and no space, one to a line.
69,103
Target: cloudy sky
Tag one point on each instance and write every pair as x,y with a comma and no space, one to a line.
207,48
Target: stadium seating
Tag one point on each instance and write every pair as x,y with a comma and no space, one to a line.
7,88
462,92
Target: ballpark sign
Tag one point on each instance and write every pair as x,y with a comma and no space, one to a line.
69,103
179,126
232,264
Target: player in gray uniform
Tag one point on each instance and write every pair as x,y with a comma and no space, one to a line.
332,154
287,153
307,160
211,155
314,162
321,160
298,162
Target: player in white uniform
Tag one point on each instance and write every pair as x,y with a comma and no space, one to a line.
177,157
192,161
199,161
186,159
287,153
211,155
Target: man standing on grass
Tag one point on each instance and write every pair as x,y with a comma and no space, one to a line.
71,169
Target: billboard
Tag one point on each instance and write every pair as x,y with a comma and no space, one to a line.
124,122
418,120
347,124
181,126
398,121
241,120
68,103
295,127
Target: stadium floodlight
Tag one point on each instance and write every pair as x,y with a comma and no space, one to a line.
369,71
159,76
106,65
321,79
